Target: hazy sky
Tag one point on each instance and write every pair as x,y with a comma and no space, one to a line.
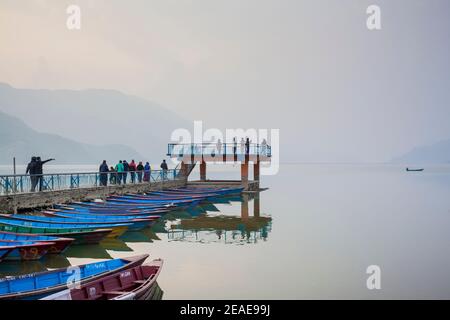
311,68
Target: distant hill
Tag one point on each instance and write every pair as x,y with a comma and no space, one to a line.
436,153
20,141
95,117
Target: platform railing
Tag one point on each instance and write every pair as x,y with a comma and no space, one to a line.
187,149
14,184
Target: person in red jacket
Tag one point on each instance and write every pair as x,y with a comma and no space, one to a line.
132,169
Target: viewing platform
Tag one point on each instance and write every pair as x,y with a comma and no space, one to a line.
226,153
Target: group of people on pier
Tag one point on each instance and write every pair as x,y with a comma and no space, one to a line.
119,173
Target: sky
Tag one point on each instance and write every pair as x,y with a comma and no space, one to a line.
311,68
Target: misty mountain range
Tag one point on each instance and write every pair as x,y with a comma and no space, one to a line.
87,126
436,153
106,124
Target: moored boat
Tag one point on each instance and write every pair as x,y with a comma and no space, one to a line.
11,224
59,244
134,224
137,283
25,250
42,284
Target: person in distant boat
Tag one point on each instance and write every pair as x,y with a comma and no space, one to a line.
31,169
112,176
164,168
40,171
104,169
132,169
119,170
126,168
147,172
140,170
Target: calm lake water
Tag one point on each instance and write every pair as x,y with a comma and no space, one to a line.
320,227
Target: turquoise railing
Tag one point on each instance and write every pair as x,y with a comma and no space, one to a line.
13,184
183,149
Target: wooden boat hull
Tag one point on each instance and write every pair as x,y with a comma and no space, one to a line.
85,237
137,283
27,287
136,224
59,244
17,228
26,251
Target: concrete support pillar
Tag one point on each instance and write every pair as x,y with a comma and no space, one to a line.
256,210
256,171
244,207
244,174
203,171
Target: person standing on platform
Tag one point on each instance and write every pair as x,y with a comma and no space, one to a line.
132,169
242,146
164,168
219,146
112,176
140,171
119,170
247,146
126,168
264,147
103,174
40,171
147,172
234,146
31,169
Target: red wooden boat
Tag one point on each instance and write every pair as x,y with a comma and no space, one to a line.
59,244
26,250
137,283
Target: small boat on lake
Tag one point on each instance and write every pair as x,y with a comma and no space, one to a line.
414,170
137,283
39,285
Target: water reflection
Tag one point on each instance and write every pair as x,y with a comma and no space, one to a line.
230,220
223,228
52,261
94,251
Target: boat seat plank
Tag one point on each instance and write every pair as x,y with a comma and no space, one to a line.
119,293
139,281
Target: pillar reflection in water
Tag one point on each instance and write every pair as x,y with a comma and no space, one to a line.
206,228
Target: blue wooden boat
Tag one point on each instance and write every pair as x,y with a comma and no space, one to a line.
101,217
135,224
38,285
9,224
4,251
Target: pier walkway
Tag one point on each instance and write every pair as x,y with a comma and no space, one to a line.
15,190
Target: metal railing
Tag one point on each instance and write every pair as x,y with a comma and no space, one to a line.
14,184
183,149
